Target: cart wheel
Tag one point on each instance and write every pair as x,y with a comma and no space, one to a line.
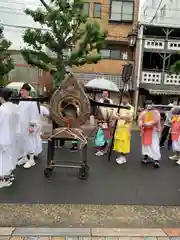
84,173
48,172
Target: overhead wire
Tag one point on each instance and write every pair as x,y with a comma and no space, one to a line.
20,11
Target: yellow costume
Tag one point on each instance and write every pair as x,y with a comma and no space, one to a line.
123,132
148,117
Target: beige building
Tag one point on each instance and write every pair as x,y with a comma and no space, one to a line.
119,18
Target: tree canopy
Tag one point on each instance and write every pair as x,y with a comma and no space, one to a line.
6,63
175,68
64,27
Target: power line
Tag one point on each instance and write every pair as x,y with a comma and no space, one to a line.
23,27
156,11
124,14
102,5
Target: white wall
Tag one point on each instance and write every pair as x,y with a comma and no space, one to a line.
161,12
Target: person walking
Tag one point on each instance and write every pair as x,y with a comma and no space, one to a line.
166,135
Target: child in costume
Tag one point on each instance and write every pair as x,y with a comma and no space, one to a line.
102,139
103,135
150,127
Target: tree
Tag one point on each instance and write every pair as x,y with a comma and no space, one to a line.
175,68
6,63
67,27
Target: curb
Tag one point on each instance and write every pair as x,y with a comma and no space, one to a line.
88,233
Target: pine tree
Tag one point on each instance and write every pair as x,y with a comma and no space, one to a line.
6,63
67,27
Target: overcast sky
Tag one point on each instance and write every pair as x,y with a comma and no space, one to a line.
11,13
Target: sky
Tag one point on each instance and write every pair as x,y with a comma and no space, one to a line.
14,20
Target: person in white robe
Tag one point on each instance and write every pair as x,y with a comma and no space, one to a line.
8,130
29,129
150,126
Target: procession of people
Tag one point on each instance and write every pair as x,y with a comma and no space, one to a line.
20,127
153,135
20,130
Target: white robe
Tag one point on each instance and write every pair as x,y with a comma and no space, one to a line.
44,111
29,114
8,129
176,145
153,151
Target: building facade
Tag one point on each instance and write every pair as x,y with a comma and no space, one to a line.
160,12
119,18
23,72
158,46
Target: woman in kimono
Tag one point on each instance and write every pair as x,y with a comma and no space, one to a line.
175,134
150,126
122,136
8,129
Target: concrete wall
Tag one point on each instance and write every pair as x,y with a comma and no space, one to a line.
161,12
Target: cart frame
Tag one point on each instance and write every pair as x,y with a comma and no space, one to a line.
52,163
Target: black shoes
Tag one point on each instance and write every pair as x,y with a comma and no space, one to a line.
156,164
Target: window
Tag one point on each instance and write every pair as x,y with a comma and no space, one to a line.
114,54
122,11
97,10
163,11
86,9
105,53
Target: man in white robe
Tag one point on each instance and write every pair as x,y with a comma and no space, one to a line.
8,130
29,129
150,126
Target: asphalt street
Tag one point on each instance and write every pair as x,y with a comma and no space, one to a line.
108,182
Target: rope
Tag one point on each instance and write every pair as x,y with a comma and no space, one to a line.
81,138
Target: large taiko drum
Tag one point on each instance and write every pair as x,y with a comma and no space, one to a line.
69,104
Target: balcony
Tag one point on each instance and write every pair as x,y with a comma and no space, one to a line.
172,79
155,78
151,77
173,45
156,44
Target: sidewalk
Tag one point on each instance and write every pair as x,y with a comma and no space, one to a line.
88,233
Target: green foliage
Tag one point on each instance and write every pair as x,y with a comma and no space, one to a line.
175,68
67,27
6,63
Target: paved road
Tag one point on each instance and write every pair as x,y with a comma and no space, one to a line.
108,183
